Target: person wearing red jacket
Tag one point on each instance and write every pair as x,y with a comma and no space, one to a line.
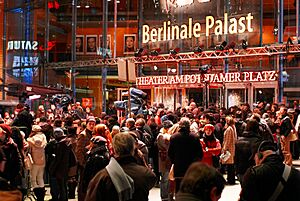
211,145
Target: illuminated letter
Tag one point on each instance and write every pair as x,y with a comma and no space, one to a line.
249,18
27,47
242,25
225,23
233,26
145,33
34,45
190,27
10,45
169,31
219,28
196,30
210,21
183,32
175,32
153,35
160,32
17,45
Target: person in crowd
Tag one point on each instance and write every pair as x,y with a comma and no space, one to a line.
230,138
37,142
184,149
130,124
60,165
72,174
163,141
7,118
201,183
47,129
211,146
115,130
98,156
102,130
40,112
264,130
160,112
122,179
11,160
240,125
83,140
262,181
23,118
285,127
245,148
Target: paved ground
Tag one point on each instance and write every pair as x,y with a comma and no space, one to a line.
230,193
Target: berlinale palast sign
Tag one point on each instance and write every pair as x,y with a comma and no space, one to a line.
218,78
192,29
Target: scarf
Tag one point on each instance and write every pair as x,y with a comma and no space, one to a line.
123,183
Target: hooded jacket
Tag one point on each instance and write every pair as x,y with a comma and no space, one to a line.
37,145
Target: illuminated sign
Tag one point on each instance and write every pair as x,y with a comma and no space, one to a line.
219,27
25,61
264,76
22,45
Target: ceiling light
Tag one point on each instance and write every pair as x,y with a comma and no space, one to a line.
87,6
197,50
78,6
155,67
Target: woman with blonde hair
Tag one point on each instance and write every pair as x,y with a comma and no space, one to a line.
230,138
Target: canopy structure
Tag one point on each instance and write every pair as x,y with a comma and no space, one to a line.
24,89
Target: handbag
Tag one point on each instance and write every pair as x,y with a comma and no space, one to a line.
293,136
225,156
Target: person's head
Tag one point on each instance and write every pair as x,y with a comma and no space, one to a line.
130,122
123,144
129,41
78,43
229,121
208,129
92,42
184,124
57,123
115,130
58,133
90,123
100,130
140,123
265,149
203,181
283,110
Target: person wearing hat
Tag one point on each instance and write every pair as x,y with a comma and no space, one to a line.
37,142
270,179
10,158
211,146
163,141
61,163
83,140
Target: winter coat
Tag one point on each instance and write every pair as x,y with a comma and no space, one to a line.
184,149
102,188
245,149
230,138
163,141
37,145
211,146
82,141
260,181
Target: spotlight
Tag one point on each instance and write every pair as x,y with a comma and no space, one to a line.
197,50
275,30
172,70
155,52
222,46
230,46
174,51
244,44
155,67
139,52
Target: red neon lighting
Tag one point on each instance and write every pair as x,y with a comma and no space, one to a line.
51,44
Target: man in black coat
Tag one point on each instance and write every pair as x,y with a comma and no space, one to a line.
184,149
245,148
105,187
261,180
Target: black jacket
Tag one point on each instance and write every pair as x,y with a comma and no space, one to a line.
285,126
184,149
260,181
245,149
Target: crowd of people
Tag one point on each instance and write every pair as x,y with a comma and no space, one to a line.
183,152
